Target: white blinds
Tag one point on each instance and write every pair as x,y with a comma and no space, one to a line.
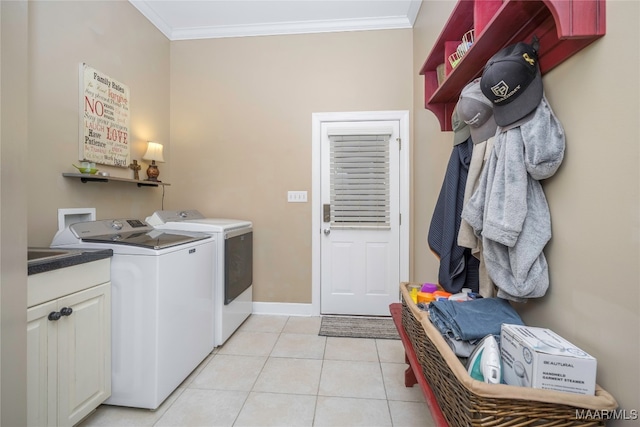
359,179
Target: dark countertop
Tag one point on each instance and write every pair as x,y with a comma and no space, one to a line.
83,256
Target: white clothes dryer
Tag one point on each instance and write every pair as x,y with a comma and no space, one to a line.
233,271
161,305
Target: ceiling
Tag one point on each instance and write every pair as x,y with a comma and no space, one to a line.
203,19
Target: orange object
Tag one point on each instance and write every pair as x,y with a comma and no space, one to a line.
425,297
441,294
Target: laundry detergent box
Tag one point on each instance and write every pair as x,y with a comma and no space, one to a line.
539,358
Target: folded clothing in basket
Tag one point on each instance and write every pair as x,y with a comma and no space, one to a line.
472,320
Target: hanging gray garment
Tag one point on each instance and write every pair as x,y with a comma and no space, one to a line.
509,209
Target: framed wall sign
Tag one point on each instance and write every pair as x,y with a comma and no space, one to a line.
104,119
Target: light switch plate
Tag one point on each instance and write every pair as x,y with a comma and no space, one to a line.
296,196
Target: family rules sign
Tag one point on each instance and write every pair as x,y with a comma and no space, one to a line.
104,119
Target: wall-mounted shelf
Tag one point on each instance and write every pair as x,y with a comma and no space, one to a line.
563,27
99,178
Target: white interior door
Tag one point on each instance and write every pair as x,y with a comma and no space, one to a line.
360,219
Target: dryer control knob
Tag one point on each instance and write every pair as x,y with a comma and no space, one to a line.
116,225
182,214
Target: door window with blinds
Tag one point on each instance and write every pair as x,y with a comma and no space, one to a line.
359,178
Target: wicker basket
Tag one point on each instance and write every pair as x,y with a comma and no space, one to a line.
465,402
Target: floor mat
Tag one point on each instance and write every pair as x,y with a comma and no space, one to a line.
358,327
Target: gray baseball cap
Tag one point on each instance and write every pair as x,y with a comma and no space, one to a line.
461,131
477,112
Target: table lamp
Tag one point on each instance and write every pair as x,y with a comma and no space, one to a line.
154,153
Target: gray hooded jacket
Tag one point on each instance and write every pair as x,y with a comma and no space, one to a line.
509,210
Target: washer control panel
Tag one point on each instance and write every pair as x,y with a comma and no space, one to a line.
163,217
108,226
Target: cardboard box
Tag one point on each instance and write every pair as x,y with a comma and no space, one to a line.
539,358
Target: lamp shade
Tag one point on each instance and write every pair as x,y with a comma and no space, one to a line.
154,152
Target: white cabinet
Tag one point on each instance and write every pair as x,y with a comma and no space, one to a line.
68,344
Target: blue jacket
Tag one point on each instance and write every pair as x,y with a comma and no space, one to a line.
458,268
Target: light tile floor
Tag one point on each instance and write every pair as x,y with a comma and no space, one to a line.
277,371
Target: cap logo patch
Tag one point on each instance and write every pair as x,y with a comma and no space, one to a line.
529,59
473,120
500,89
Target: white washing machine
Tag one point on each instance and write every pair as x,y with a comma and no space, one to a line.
161,306
233,272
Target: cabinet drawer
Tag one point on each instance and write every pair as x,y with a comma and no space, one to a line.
54,284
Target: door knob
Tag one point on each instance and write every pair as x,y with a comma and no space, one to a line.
326,231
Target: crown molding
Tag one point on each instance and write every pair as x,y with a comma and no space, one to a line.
412,13
285,28
280,28
151,15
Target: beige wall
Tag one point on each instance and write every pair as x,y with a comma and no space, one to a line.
13,209
594,197
241,131
42,46
431,147
116,39
594,200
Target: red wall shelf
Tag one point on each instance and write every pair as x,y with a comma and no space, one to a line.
563,27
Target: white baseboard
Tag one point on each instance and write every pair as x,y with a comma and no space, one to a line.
282,308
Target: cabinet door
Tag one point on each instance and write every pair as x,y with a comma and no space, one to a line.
84,353
41,353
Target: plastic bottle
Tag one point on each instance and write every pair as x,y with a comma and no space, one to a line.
414,295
